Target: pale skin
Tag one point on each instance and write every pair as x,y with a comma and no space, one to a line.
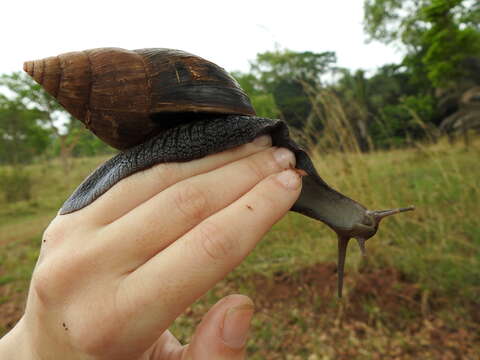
112,277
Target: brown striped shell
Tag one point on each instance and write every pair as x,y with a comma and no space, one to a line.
126,97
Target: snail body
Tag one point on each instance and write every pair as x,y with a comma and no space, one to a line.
162,105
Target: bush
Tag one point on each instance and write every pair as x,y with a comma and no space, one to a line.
16,185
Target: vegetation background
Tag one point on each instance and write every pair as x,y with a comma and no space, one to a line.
406,134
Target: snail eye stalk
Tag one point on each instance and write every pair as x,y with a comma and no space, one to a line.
380,214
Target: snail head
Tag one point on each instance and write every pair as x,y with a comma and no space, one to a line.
361,232
369,226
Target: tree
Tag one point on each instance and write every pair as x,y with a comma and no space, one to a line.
440,39
272,66
356,96
449,44
438,35
262,101
66,132
32,96
278,79
21,135
399,21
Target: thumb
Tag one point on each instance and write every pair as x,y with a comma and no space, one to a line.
223,332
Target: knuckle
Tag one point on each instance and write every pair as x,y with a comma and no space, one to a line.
57,275
48,235
191,201
39,282
47,279
158,176
268,198
165,173
255,168
215,243
55,232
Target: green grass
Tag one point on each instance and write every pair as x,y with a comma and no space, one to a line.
420,279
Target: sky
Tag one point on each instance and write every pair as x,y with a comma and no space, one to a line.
228,33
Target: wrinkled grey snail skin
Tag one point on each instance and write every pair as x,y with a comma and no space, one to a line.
203,137
164,105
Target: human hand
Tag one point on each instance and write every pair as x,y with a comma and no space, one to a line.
112,277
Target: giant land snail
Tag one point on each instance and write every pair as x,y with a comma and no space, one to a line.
163,105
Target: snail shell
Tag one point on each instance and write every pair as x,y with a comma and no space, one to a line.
126,97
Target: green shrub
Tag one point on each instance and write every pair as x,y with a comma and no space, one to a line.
15,185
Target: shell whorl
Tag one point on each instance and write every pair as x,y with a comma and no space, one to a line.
119,93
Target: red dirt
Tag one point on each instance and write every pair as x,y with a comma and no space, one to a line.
379,304
12,304
382,315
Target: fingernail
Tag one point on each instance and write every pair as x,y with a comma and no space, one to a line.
290,179
263,141
236,325
284,157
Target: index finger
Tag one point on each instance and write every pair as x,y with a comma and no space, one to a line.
174,278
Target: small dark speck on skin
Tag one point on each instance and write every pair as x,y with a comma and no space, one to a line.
249,207
301,172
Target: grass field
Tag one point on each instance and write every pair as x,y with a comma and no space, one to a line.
416,295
